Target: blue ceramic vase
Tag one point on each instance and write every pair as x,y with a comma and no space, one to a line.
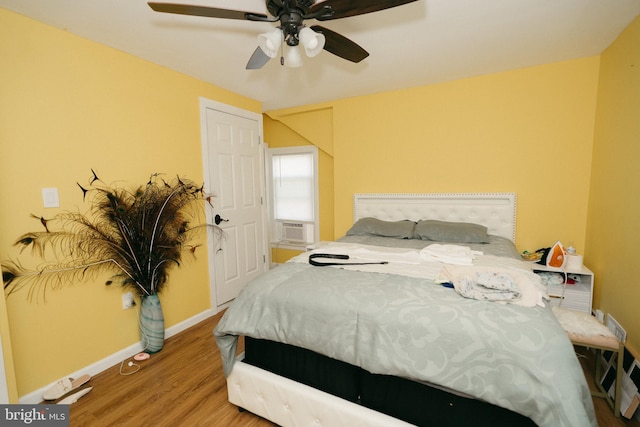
151,324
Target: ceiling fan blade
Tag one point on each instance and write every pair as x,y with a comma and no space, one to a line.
346,8
341,46
210,12
257,60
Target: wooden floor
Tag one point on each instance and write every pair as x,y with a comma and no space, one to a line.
183,385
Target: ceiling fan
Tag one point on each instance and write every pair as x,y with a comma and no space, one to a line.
292,31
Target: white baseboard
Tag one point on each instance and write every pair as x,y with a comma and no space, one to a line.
117,357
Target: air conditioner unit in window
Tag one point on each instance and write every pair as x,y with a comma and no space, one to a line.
294,232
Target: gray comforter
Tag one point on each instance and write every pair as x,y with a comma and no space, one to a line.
511,356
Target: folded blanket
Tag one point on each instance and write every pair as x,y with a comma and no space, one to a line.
410,263
449,254
506,285
489,286
372,253
400,261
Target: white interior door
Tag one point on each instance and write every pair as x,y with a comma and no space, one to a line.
234,173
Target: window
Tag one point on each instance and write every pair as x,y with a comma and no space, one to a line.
293,186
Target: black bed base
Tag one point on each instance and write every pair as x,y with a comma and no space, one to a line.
400,398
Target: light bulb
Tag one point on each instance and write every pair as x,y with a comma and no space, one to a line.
312,41
270,42
293,59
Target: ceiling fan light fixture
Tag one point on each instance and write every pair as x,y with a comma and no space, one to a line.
312,41
291,15
293,58
270,42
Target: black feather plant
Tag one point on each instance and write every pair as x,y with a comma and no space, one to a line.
138,234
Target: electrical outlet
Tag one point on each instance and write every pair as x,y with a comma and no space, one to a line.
127,300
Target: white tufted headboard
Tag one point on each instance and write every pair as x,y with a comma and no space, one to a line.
496,211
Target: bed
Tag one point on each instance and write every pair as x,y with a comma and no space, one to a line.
398,344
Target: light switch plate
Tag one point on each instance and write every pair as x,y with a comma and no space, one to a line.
50,198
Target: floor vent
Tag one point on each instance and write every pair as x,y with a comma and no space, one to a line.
616,328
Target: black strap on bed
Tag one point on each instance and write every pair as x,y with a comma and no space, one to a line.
312,261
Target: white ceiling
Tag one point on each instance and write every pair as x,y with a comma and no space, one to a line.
424,42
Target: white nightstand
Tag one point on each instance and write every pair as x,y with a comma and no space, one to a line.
577,296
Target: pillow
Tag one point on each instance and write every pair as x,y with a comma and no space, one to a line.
453,232
377,227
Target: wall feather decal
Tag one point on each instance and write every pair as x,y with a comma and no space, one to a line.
137,234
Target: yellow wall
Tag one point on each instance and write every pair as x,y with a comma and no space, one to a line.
614,206
69,105
7,353
314,127
527,131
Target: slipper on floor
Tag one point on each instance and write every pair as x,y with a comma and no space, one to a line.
73,398
64,386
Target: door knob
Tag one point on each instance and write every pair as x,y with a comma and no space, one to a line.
218,219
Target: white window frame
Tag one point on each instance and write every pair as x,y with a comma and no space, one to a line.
275,227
